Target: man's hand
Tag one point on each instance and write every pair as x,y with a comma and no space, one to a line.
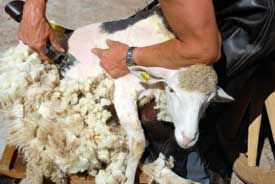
113,58
34,29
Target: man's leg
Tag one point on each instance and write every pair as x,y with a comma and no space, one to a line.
195,169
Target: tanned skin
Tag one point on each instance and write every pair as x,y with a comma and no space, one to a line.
34,29
193,21
198,40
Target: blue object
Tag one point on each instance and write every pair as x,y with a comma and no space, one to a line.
195,169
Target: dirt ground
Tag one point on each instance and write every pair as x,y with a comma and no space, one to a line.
72,14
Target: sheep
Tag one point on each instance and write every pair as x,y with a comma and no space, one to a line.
159,171
189,89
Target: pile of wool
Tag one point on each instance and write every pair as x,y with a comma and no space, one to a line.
62,126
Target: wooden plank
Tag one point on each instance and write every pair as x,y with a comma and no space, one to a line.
12,164
270,108
6,159
143,178
253,140
76,179
20,164
13,173
254,175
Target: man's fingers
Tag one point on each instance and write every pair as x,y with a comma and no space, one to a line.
103,65
98,52
56,45
111,43
19,36
39,49
43,56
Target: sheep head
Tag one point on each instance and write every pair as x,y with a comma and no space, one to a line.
188,96
189,91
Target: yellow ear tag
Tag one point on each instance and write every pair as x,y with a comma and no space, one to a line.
145,76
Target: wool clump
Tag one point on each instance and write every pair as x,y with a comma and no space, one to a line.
63,126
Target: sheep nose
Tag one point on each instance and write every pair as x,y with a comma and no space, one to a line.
186,139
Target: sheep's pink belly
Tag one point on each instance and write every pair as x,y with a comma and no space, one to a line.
88,37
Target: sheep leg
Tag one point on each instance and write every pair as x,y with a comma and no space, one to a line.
163,174
117,166
136,148
167,176
33,176
136,140
126,108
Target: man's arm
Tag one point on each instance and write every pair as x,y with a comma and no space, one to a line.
198,38
34,29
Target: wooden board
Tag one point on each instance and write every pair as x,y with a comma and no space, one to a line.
12,163
253,175
76,179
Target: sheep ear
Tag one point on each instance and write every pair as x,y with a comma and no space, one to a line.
222,96
153,80
145,75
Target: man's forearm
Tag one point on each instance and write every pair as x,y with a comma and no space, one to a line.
198,38
38,7
172,54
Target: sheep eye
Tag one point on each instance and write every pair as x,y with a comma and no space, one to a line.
171,90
